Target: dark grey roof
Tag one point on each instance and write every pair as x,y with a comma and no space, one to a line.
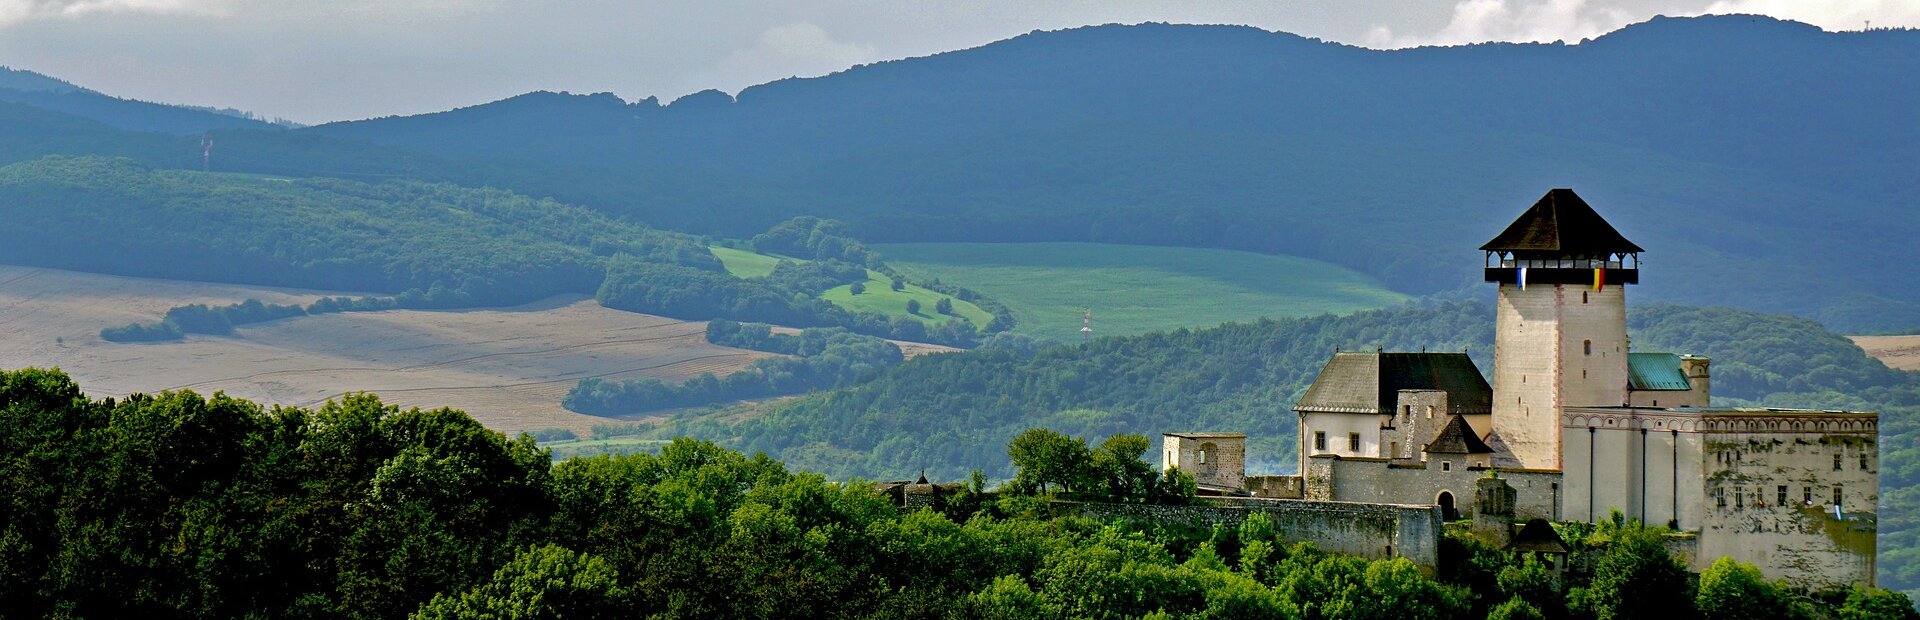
1370,382
1538,535
1561,224
1457,438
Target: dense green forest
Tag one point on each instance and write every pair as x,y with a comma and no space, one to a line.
435,245
179,506
818,359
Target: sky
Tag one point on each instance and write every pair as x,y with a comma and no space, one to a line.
323,60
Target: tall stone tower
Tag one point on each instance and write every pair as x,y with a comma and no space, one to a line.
1561,322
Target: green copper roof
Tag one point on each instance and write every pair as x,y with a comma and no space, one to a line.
1656,371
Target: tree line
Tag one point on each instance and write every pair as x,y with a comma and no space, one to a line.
181,506
220,320
817,358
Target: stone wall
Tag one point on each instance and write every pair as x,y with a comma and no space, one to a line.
1217,460
1372,531
1377,480
1276,487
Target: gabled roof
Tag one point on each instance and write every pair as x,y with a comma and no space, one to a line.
1562,224
1538,535
1457,438
1656,372
1371,382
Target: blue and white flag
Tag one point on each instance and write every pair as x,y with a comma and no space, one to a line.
1523,278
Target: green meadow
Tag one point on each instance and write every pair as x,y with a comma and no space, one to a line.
743,263
1134,289
880,297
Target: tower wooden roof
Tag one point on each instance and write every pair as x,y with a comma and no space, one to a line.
1562,224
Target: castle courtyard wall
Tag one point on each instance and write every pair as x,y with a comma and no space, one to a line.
1380,480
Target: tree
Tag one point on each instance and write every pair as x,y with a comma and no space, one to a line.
913,306
1733,589
899,283
1636,578
541,582
1047,457
944,306
857,288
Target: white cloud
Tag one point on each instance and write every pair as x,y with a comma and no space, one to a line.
1829,14
1479,21
21,10
796,49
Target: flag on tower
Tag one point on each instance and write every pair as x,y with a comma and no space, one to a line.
1523,278
1599,278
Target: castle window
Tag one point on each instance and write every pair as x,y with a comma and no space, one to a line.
1203,457
1583,297
1783,495
1393,449
1806,495
1836,462
1429,412
1353,442
1863,462
1739,499
1720,498
1448,466
1836,495
1589,346
1320,440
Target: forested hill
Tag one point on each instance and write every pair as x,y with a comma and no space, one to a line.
40,91
444,245
1767,162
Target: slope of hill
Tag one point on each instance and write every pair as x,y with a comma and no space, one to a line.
41,91
1769,157
1136,289
444,245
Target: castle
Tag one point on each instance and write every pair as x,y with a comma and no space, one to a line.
1578,426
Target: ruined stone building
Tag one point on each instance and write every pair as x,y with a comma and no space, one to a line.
1580,426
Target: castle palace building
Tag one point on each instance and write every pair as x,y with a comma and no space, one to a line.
1581,427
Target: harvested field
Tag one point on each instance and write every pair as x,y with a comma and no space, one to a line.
507,367
1901,352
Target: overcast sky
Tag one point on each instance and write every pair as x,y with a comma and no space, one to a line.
322,60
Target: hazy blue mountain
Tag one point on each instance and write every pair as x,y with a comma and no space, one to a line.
1764,163
40,91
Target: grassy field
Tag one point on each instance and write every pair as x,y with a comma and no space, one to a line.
880,297
1134,289
745,264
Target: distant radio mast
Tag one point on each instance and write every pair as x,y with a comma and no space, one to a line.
1086,323
206,152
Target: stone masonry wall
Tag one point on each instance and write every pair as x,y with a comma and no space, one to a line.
1372,531
1375,480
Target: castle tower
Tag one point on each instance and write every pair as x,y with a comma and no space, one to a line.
1561,324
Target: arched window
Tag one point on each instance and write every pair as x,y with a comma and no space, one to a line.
1589,346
